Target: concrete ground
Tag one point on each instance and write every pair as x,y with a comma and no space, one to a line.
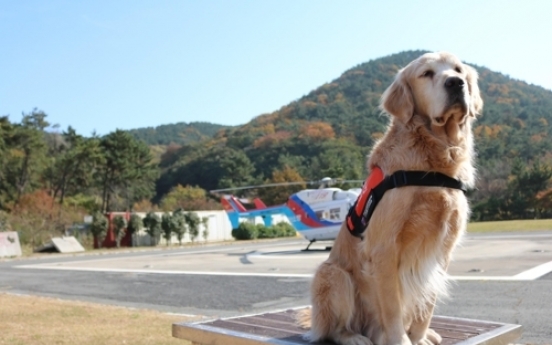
499,277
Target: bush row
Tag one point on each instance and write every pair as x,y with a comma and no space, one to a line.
248,231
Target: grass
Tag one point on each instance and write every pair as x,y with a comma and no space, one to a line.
31,320
510,225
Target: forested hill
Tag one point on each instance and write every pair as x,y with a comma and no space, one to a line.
59,175
181,133
329,131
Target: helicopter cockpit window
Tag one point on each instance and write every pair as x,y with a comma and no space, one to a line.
335,213
323,214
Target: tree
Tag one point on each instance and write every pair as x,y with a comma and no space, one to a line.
317,130
280,194
522,201
179,223
339,159
192,219
75,160
187,198
177,133
119,227
4,221
216,167
127,171
6,132
544,202
98,228
134,225
166,225
144,205
152,223
27,156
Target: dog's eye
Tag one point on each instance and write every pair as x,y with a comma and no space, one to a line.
458,69
428,74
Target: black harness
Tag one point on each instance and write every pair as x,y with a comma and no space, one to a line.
359,215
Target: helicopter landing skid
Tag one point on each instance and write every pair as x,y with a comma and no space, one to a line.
328,248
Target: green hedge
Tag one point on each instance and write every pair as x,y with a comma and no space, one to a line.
248,231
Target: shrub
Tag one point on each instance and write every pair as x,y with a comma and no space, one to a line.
179,224
38,217
192,220
248,231
134,225
119,227
98,228
152,223
284,229
245,231
266,231
167,227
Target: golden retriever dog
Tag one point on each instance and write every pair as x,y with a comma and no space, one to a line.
381,288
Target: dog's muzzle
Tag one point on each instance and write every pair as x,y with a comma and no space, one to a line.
456,88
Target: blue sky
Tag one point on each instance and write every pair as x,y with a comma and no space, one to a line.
101,65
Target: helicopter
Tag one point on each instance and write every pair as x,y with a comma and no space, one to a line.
316,214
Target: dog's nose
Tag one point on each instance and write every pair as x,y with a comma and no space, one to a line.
454,83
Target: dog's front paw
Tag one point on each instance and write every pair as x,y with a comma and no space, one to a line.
430,338
354,339
388,340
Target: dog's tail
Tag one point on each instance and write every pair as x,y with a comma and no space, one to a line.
303,318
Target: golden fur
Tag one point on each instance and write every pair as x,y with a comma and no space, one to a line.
382,289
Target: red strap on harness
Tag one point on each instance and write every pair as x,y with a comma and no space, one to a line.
372,181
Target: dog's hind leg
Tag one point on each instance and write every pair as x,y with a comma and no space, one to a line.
333,307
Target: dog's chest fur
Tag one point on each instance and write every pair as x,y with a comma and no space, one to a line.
420,239
425,223
425,248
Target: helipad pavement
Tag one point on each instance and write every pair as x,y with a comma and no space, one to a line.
518,256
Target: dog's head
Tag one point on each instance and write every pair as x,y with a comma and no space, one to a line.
436,85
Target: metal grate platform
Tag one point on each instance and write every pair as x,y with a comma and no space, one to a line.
280,328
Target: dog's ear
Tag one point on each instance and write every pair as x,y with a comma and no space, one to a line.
397,99
476,102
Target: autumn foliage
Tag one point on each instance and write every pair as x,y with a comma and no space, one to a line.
187,198
38,217
280,194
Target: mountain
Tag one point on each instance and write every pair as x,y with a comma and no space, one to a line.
329,131
181,133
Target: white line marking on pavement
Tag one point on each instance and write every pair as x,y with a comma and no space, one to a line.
172,272
535,272
501,236
531,274
475,278
294,255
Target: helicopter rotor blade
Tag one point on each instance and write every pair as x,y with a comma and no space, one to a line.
327,181
260,186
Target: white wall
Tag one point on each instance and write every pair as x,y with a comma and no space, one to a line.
219,229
